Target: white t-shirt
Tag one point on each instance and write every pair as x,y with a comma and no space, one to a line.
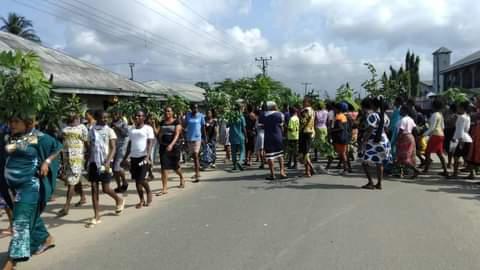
462,126
99,138
406,124
139,140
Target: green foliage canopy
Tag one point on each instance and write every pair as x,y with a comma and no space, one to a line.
24,91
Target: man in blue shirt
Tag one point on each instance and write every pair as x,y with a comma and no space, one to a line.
195,133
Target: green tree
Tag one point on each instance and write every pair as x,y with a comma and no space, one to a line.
20,26
24,91
372,85
59,109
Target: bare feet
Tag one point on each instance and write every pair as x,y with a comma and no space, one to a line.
9,265
120,207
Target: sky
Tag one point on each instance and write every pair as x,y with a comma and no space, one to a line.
323,42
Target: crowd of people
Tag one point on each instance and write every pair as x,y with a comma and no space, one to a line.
102,147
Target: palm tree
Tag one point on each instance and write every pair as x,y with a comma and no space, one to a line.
20,26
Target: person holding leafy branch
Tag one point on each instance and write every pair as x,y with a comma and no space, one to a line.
31,164
75,137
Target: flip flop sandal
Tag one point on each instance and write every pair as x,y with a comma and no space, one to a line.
120,208
80,203
270,178
6,232
368,186
92,223
284,177
62,213
44,248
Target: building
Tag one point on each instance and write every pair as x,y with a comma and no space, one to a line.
96,86
189,92
426,87
464,73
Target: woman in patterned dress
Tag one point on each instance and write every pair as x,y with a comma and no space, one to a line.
376,146
75,137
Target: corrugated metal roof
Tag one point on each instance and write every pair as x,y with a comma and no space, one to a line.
429,83
190,92
469,60
72,75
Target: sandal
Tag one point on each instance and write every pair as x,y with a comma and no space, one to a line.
49,244
62,213
161,193
6,232
270,178
120,207
284,176
92,223
368,186
80,203
139,205
378,186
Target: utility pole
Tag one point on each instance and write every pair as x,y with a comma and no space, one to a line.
131,65
306,84
264,63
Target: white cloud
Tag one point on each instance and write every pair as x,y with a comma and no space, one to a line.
321,41
250,39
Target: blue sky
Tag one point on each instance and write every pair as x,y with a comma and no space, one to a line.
320,41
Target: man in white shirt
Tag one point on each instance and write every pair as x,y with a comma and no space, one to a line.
139,150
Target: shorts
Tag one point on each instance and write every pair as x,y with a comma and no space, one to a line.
306,140
138,169
194,147
462,150
94,175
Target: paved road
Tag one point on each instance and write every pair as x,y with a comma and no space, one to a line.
240,221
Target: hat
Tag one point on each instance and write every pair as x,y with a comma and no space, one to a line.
343,106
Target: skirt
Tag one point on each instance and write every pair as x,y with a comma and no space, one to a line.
406,149
474,153
435,145
377,152
259,140
169,160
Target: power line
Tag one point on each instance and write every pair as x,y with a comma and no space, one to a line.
264,63
113,22
110,31
193,30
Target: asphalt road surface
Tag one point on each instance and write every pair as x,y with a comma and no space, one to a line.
241,221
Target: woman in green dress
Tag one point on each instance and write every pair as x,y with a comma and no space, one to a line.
31,169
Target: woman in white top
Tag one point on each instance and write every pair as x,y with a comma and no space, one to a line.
461,137
436,133
406,145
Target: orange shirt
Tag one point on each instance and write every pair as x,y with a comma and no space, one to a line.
341,117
